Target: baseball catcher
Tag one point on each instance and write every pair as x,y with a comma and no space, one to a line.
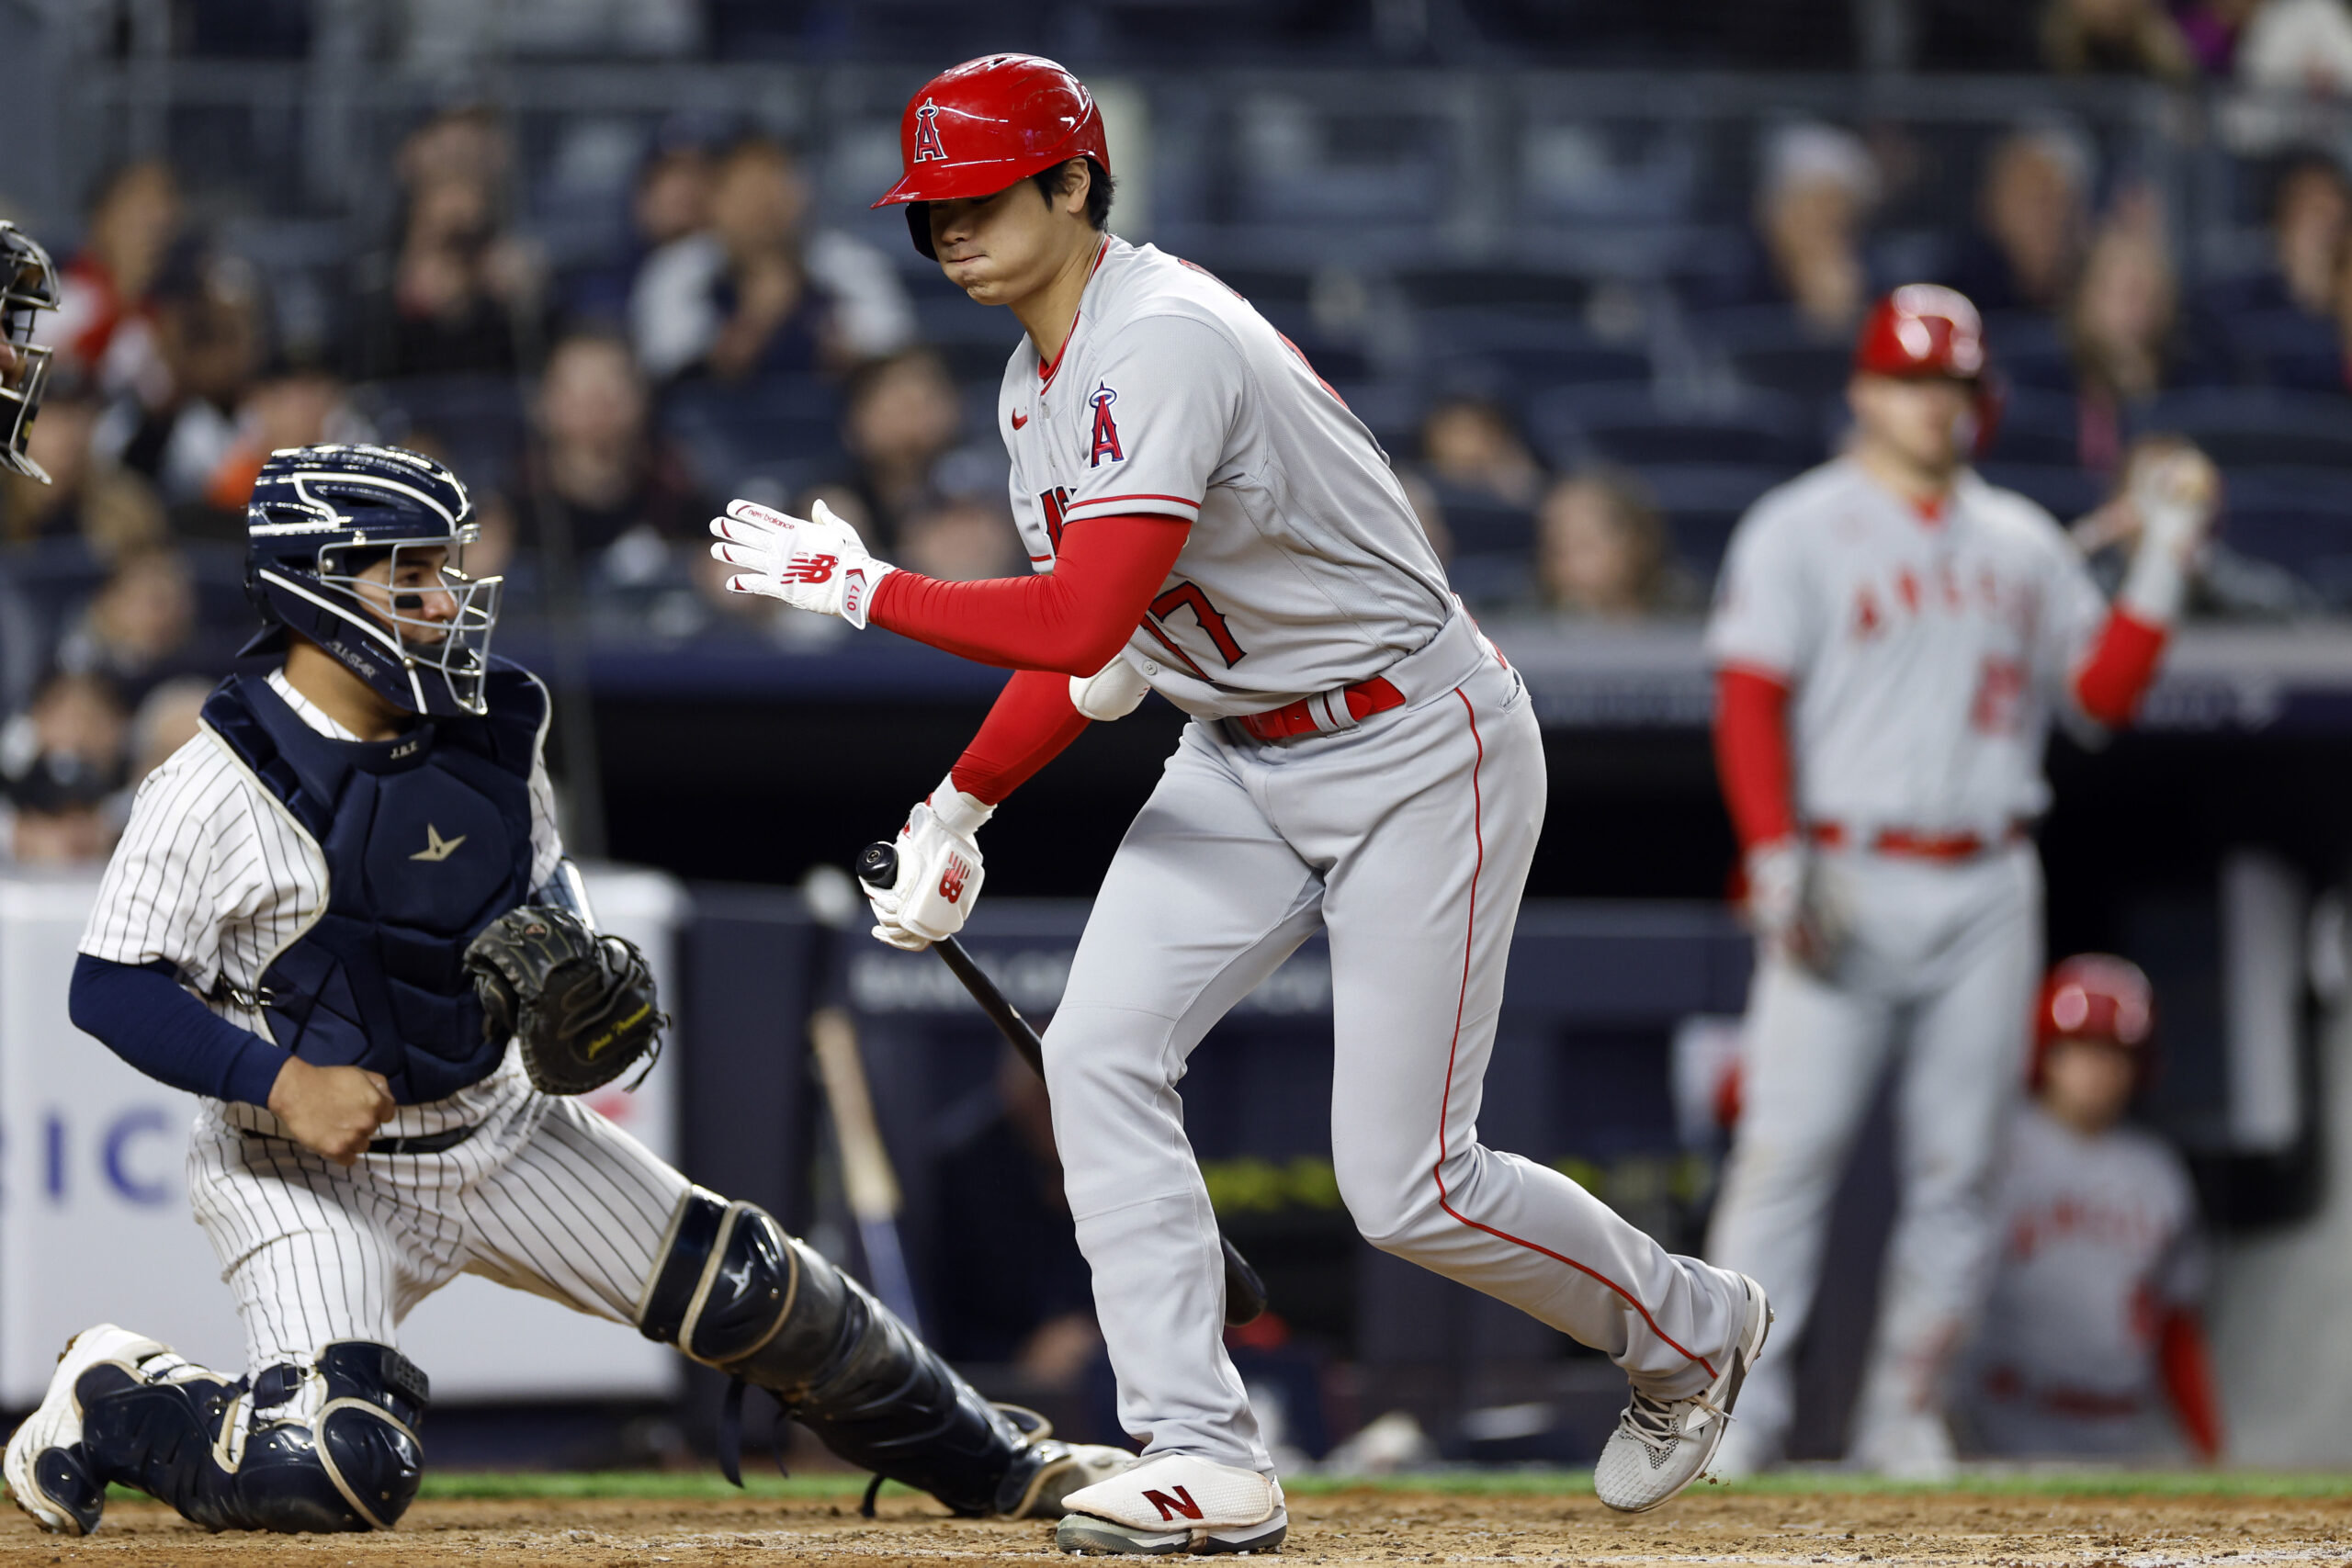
341,917
27,286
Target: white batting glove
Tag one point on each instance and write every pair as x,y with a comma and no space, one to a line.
939,871
1112,692
1793,906
811,563
2175,494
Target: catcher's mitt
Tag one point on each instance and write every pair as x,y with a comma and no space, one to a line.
582,1005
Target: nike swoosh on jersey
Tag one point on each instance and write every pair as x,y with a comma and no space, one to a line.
438,848
1018,419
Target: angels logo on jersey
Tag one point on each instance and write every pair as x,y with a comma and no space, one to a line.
927,145
1106,432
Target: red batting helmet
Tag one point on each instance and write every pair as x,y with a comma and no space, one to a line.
1924,329
988,124
2098,997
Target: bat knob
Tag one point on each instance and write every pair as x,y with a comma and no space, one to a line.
877,866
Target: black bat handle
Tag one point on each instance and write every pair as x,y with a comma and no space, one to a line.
877,866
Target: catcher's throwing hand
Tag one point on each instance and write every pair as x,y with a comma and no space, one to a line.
580,1005
939,871
331,1112
811,563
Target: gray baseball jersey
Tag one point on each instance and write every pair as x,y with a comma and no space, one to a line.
214,876
1305,568
2098,1240
1927,653
1406,836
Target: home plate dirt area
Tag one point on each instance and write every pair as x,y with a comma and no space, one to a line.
561,1521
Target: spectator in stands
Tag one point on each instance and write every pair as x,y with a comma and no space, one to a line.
901,420
961,539
2277,326
2120,329
1602,550
1472,445
164,722
464,142
106,323
105,507
139,628
1818,187
60,759
297,403
595,455
208,333
458,288
2033,220
2311,217
759,293
2226,583
2298,47
669,200
2134,37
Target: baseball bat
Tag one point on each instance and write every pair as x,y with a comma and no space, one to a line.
871,1187
1245,1292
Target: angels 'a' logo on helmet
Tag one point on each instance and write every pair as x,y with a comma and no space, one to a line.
927,143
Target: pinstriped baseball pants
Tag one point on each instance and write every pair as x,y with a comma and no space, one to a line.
547,1196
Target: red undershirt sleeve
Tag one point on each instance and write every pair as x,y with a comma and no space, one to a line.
1752,755
2109,684
2187,1367
1032,722
1073,620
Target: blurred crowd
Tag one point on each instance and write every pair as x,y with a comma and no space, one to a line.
1578,445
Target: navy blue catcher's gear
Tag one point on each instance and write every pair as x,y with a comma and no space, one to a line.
427,840
330,1447
320,516
735,1292
27,286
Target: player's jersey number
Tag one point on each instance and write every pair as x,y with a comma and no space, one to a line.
1205,614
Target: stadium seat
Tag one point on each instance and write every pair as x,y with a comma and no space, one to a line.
2063,490
1769,346
773,425
1628,424
1505,289
477,420
2030,351
1703,500
2039,428
2297,518
2257,426
2286,349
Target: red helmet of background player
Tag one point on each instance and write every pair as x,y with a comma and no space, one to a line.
986,125
1924,329
2100,998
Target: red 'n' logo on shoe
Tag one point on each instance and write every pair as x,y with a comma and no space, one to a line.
1170,1506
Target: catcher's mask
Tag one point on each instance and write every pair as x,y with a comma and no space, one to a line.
322,519
27,286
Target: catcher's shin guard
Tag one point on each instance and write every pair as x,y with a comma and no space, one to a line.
331,1446
735,1292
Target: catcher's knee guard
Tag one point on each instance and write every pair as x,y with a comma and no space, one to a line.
331,1446
734,1292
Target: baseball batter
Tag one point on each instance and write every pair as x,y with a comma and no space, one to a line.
328,914
1206,519
1893,638
2091,1343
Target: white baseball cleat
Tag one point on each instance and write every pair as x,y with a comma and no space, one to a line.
1663,1444
1175,1503
48,1474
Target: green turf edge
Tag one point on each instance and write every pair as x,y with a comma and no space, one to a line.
688,1485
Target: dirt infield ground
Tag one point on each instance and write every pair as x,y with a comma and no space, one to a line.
1369,1526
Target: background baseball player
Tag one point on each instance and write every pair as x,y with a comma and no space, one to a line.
1893,637
354,864
1206,519
2091,1343
27,286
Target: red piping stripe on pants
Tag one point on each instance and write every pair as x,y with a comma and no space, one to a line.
1437,1172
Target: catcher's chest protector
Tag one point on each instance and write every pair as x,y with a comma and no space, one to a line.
427,839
